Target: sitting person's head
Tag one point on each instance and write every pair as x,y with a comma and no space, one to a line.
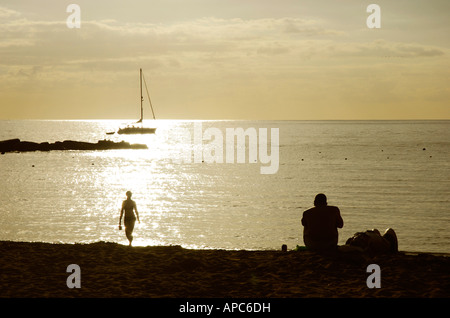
320,200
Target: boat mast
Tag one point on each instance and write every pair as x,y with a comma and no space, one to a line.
148,95
142,99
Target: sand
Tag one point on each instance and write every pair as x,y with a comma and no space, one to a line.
36,270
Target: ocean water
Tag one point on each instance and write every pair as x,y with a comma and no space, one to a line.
379,173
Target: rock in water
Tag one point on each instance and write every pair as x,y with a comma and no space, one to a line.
16,145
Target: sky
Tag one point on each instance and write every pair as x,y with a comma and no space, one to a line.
225,59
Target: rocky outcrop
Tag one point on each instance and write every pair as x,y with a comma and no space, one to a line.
16,145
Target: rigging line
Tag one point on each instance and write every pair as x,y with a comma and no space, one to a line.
151,106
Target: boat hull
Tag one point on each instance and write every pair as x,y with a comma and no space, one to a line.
136,130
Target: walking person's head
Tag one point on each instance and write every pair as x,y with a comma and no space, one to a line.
320,200
129,194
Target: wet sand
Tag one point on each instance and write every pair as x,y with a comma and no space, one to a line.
36,270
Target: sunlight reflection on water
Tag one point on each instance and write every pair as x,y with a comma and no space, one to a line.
75,196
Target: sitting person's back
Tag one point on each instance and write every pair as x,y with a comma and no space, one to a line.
321,224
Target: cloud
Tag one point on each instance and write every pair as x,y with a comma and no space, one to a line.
378,49
6,13
205,42
16,42
274,48
399,49
208,39
415,50
214,61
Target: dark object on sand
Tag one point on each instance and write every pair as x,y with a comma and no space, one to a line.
373,243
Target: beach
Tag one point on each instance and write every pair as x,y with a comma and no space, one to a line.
111,270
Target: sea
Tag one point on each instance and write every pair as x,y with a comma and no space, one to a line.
193,187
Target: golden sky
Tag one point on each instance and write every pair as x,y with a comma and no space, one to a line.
225,59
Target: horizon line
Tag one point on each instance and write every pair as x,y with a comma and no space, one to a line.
211,119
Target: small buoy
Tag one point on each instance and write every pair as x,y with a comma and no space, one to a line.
345,158
32,166
424,149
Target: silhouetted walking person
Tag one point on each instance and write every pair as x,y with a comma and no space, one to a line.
129,206
320,225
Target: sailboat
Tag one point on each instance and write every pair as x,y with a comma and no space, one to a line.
140,129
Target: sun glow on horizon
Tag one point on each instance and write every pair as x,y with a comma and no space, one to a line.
224,60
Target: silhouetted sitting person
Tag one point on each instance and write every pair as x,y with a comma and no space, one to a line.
320,225
372,242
